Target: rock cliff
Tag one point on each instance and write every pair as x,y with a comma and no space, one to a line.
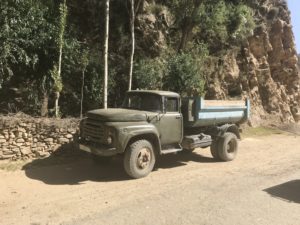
265,69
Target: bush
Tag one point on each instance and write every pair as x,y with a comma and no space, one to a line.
224,24
148,73
185,75
241,23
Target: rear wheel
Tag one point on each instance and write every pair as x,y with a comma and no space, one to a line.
139,159
214,150
228,147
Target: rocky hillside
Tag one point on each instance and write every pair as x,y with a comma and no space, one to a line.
265,69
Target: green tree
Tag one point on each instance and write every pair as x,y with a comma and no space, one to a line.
149,73
188,15
24,32
185,75
220,24
106,37
26,49
84,63
56,72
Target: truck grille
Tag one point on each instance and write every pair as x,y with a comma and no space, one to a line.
93,131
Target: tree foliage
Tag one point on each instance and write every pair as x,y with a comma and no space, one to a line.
25,37
185,33
149,73
218,23
185,75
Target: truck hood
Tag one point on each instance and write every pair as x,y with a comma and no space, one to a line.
117,115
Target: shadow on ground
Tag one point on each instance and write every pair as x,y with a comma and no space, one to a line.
69,166
182,159
289,191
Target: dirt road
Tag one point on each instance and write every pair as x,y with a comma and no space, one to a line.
262,186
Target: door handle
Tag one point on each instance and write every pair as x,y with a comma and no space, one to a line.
178,117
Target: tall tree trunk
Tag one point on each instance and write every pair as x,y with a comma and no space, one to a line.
58,80
185,36
44,108
57,95
188,26
132,19
57,92
106,33
82,89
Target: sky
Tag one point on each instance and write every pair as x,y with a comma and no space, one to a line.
294,6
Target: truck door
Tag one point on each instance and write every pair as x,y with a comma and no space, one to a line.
171,122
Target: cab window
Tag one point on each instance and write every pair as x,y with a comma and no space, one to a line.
172,105
143,101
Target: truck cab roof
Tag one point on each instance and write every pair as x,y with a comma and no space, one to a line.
162,93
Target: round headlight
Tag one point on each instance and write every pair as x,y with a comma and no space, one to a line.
109,140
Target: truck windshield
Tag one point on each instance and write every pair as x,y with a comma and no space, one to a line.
143,101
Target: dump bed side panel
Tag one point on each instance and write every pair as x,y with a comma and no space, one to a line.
200,113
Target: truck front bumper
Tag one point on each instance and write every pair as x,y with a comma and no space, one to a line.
100,150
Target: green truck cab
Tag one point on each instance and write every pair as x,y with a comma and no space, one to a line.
153,123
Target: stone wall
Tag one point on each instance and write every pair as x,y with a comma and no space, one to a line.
25,137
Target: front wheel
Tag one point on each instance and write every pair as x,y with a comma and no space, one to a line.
228,147
139,159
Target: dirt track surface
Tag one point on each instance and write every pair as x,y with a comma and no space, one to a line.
262,186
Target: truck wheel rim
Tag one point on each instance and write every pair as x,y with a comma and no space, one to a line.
144,158
231,147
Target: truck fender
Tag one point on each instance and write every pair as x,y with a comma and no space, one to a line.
134,133
232,128
151,137
219,131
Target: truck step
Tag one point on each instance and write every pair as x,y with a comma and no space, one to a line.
168,151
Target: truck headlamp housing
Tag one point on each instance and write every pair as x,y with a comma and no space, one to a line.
110,136
109,140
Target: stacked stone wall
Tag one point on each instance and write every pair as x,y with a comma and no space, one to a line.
23,137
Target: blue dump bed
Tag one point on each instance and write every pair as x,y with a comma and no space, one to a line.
198,112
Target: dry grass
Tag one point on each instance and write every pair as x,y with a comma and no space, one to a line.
261,131
12,166
291,128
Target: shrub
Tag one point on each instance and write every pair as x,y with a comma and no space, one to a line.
184,75
148,73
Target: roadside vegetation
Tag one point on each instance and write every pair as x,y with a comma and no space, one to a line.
261,131
51,52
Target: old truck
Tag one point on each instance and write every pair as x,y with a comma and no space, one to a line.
154,123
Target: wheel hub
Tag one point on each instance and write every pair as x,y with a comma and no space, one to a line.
144,158
230,147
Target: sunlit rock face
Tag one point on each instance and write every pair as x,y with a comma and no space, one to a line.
265,69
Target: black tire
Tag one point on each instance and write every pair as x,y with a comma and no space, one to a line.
214,150
228,147
101,160
139,159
